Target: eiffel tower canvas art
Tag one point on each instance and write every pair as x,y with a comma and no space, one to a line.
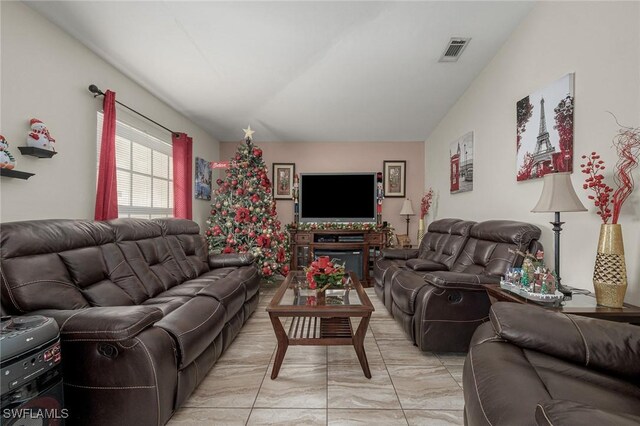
545,131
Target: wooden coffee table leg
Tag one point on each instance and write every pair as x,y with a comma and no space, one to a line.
283,344
358,344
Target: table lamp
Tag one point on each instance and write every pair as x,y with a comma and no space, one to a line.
407,210
558,196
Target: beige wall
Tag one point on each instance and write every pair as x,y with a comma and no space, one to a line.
316,157
600,42
45,74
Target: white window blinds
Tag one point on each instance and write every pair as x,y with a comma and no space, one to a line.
144,168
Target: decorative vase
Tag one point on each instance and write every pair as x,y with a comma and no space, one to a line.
610,272
420,231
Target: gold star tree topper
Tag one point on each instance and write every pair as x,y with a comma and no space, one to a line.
248,133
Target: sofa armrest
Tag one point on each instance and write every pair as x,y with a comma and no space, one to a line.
568,413
460,280
605,345
425,265
114,323
230,259
402,254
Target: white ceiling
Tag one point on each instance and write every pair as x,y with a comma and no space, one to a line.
296,71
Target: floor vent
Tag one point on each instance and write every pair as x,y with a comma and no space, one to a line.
454,49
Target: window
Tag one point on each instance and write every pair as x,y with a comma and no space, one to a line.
144,168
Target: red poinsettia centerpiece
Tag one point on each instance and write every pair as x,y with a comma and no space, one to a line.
608,202
325,273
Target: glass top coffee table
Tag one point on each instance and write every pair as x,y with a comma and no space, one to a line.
319,318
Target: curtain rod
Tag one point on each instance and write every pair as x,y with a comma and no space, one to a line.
97,92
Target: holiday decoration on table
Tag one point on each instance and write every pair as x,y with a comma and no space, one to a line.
243,215
324,273
6,159
534,280
39,136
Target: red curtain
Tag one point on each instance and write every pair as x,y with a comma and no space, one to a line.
182,173
106,191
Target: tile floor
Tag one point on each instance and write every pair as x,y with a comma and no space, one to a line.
320,385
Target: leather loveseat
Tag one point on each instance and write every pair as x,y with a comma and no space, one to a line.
531,366
144,312
435,292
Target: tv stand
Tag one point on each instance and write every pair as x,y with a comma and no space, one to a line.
348,245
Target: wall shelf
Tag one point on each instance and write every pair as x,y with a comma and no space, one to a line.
36,152
15,174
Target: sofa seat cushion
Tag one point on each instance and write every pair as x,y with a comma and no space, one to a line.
405,286
194,326
188,288
497,373
167,304
237,287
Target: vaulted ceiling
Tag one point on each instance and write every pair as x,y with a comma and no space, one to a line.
296,71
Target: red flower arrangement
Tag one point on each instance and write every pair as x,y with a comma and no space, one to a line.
627,143
324,273
425,204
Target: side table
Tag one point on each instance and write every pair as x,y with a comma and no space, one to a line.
580,304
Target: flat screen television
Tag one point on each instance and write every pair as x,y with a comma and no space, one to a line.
338,197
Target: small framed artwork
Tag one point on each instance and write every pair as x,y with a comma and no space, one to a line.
283,174
395,178
203,179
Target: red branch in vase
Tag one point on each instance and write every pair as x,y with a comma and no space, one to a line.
627,143
593,167
425,204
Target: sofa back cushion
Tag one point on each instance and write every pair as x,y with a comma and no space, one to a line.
63,264
147,252
187,246
492,245
444,240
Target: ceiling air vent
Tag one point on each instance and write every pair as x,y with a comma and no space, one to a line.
454,49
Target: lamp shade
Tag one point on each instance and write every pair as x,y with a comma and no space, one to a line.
407,208
558,195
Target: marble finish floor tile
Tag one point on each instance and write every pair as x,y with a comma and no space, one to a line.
349,388
354,417
434,417
347,354
403,352
287,417
296,386
211,416
314,355
228,386
386,329
249,349
456,372
426,388
452,358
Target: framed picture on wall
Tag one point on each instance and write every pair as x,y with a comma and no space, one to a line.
283,174
395,178
461,164
202,180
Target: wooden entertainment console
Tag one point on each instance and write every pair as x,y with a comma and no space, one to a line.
362,244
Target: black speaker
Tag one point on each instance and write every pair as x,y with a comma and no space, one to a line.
39,402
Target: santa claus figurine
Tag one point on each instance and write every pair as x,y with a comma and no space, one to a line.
39,136
6,159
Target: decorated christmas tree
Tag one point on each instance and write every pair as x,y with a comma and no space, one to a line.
243,215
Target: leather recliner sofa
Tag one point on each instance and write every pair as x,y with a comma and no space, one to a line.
144,311
435,292
530,366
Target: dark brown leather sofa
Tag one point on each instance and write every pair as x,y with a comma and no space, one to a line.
435,292
144,311
531,366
